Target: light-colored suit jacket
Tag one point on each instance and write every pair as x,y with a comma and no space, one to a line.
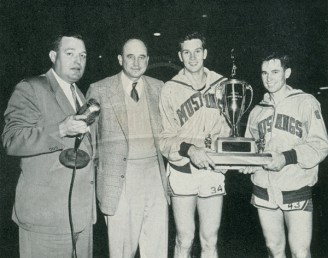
31,131
112,136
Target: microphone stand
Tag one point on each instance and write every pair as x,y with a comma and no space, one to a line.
74,236
76,159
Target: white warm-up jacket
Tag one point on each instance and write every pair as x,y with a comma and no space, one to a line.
189,115
294,123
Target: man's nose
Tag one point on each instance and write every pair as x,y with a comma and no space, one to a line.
135,62
78,59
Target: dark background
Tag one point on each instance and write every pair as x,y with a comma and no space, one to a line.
248,27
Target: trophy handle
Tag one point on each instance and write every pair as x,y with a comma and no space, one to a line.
249,88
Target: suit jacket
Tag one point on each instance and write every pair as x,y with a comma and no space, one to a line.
32,118
112,136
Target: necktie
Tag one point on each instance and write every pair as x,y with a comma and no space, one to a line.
134,92
77,104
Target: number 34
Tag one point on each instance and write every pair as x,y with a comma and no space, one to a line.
216,189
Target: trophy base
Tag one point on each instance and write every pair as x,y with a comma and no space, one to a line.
240,159
235,145
235,152
71,159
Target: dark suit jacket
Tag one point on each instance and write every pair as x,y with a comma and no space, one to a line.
112,136
32,118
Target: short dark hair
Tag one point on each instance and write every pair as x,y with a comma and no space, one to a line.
284,59
193,35
57,40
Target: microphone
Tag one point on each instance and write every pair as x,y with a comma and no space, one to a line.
91,109
73,157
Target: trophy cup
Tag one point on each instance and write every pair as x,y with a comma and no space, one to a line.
235,151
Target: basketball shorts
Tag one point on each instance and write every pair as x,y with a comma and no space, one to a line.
300,199
199,182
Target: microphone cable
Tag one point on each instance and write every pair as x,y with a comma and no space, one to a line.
73,235
91,109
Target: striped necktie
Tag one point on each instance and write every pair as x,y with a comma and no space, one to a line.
77,104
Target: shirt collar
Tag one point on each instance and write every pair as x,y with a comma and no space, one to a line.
127,84
60,81
66,87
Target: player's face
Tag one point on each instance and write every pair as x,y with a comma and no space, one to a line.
193,55
134,59
274,75
70,59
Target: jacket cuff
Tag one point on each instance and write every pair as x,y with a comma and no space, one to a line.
290,157
184,148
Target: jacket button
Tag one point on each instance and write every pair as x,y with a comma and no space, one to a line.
91,182
124,159
122,176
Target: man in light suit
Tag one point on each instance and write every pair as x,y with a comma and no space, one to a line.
131,180
40,122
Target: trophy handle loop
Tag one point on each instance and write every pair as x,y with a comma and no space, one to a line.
249,87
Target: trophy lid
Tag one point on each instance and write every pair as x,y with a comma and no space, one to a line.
233,79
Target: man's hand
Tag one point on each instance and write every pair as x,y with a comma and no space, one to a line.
277,163
73,125
249,169
219,169
199,157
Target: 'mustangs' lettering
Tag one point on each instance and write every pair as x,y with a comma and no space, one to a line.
289,124
193,104
283,122
265,125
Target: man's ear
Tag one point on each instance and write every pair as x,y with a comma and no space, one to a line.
205,53
288,72
52,55
180,56
120,60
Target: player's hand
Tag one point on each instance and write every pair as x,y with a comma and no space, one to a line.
277,163
220,170
73,125
248,169
199,158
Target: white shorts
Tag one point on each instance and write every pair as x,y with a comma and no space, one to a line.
203,183
306,205
272,199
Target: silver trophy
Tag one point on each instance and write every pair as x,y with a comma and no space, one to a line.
234,104
234,99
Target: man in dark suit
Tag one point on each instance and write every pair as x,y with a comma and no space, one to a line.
40,121
131,179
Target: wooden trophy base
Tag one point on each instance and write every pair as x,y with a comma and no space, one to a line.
237,152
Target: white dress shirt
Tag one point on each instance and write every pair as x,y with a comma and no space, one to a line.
127,84
66,87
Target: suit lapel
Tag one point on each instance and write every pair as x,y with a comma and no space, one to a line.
66,106
61,98
115,93
152,96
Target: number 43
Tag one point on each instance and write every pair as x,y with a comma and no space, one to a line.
294,205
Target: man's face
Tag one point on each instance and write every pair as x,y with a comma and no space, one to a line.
192,55
274,76
134,59
70,60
